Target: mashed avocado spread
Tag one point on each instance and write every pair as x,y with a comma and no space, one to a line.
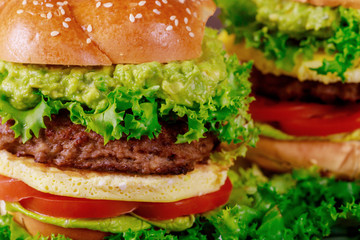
184,83
296,19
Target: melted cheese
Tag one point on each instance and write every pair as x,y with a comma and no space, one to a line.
113,186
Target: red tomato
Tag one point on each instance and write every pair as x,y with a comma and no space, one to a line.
201,204
306,119
66,207
13,190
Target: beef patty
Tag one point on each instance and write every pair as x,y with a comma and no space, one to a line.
65,144
286,88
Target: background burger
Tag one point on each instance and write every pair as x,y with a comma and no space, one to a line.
306,80
117,117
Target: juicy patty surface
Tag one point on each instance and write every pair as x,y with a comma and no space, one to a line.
286,88
65,144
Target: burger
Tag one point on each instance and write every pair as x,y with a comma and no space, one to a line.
306,80
116,116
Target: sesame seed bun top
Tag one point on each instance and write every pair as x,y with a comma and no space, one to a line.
333,3
94,32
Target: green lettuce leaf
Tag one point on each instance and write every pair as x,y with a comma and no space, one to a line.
345,44
27,123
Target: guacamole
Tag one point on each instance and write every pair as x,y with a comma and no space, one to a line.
296,19
184,83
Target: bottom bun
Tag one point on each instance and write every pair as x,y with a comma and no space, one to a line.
341,159
35,227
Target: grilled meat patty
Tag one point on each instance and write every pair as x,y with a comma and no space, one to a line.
65,144
286,88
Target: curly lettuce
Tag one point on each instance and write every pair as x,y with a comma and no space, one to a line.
286,30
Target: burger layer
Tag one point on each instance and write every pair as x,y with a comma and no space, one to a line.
285,88
303,68
65,144
205,178
297,39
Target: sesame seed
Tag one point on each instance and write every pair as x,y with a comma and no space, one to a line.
186,20
88,41
165,1
98,4
89,28
132,18
24,2
139,15
62,11
156,11
49,15
188,28
172,18
49,5
65,25
35,2
182,1
108,5
142,3
176,22
43,15
67,19
188,11
62,3
169,28
158,3
191,34
54,33
20,11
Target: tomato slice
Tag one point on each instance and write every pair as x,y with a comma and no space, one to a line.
200,204
12,190
67,207
306,119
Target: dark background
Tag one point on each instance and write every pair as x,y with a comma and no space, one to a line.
214,21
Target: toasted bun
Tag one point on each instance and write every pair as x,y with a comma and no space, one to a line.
206,178
333,3
91,32
341,159
35,227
